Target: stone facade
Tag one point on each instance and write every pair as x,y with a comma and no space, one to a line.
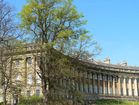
99,80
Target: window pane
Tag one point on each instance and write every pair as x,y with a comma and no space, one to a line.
28,93
29,60
37,92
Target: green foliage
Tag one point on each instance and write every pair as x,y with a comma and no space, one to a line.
33,100
78,97
1,103
116,102
58,23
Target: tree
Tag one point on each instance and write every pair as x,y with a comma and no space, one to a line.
57,27
8,34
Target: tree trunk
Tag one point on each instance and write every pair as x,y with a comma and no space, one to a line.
4,97
45,92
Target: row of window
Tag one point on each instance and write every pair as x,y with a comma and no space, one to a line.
29,79
89,75
28,60
38,92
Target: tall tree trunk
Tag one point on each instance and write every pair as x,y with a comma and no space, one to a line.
45,91
5,96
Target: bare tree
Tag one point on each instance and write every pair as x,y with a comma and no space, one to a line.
8,33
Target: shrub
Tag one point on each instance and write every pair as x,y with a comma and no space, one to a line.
33,100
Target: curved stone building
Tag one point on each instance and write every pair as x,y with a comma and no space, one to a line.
108,81
97,80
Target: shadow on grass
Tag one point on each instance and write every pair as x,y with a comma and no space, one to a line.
109,102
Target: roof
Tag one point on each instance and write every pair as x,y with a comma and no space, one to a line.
112,67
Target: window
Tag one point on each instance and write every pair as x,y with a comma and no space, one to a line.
127,92
29,79
90,75
111,91
86,87
81,86
38,92
127,81
100,76
111,84
116,79
106,87
132,92
85,75
90,88
138,92
122,80
106,90
95,76
17,62
110,78
100,87
132,80
95,89
116,91
121,91
105,77
28,93
29,60
18,77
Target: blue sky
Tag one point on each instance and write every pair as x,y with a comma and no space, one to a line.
114,24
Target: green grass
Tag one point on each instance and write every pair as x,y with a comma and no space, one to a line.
34,100
116,102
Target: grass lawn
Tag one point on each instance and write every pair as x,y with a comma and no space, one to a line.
116,102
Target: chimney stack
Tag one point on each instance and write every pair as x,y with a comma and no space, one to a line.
107,60
124,63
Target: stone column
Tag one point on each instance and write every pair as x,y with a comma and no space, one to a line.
103,85
86,82
138,86
90,83
95,84
108,84
119,87
35,64
98,83
135,87
113,86
93,81
83,81
130,87
124,87
25,72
